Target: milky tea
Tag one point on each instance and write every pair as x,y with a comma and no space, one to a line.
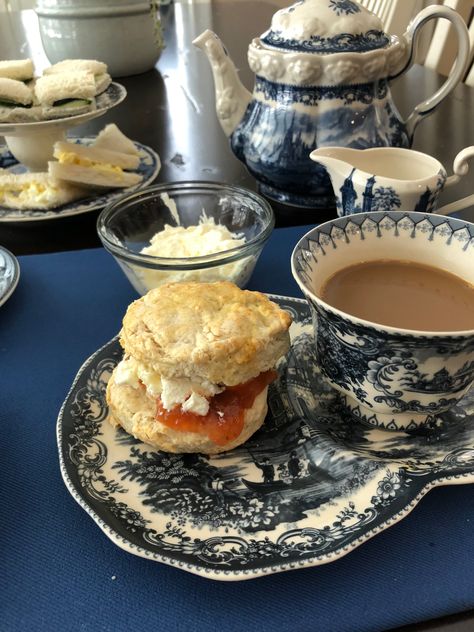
402,294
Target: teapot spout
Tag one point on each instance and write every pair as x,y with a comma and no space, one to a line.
232,98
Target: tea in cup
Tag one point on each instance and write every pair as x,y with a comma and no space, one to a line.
366,278
388,178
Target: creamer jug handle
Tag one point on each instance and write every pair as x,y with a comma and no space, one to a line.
457,71
460,169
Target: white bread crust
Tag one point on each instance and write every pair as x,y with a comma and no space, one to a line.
91,178
70,85
75,65
113,139
19,69
15,91
97,154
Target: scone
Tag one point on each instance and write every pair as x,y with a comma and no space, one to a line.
198,359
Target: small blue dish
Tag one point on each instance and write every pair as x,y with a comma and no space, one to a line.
9,274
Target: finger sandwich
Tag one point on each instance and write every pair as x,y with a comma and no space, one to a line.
19,69
198,360
113,139
97,68
27,191
66,94
16,100
94,167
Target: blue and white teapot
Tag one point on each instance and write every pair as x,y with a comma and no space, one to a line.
322,79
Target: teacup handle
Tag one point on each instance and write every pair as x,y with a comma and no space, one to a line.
457,71
460,168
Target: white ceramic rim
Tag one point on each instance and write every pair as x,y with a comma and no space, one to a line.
23,129
384,150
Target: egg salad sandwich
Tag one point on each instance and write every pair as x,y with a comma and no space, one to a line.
97,68
16,101
66,94
19,69
94,167
29,191
198,361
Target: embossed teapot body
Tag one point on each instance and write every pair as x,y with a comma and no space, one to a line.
322,79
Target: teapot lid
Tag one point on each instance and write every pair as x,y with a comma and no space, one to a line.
325,26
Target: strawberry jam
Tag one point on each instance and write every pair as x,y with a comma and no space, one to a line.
225,419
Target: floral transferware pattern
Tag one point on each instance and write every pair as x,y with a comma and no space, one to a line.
306,489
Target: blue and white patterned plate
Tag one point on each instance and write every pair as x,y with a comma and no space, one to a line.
309,487
148,168
9,274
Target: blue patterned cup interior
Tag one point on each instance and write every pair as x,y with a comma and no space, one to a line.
391,378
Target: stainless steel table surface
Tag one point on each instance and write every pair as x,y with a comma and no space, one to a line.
172,109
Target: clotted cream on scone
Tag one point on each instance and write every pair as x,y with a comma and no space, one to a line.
198,359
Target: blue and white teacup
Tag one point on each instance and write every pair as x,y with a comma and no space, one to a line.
391,378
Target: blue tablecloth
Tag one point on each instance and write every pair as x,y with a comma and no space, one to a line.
58,571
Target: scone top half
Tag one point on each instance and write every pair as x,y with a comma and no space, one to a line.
208,332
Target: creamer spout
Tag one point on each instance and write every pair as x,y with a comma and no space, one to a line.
338,161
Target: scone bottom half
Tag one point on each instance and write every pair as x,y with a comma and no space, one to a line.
198,360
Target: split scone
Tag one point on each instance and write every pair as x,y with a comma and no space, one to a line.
198,359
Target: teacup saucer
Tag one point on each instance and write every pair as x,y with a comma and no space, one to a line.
308,488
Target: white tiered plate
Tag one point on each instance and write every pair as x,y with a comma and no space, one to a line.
32,144
114,95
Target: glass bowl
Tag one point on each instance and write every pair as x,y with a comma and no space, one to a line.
127,226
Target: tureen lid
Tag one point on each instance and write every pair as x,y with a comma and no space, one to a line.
324,27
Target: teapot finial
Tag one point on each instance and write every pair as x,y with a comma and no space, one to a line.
232,97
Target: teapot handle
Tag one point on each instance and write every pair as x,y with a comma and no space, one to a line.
457,71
